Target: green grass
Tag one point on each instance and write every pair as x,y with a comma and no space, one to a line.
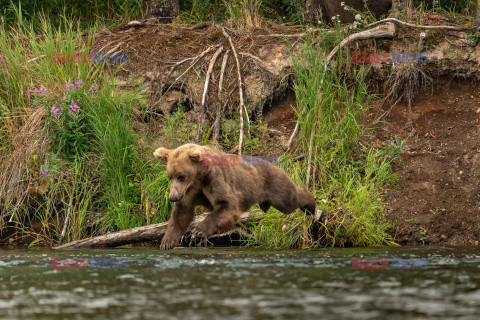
97,171
347,174
85,14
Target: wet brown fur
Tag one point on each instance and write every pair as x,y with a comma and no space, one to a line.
226,189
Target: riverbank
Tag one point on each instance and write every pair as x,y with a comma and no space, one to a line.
87,169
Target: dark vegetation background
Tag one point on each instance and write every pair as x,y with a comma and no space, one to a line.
115,12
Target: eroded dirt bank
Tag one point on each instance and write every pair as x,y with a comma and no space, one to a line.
437,200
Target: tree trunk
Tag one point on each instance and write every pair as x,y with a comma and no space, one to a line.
165,10
141,234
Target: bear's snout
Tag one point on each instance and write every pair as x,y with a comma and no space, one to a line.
174,198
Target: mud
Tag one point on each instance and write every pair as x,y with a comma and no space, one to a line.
437,200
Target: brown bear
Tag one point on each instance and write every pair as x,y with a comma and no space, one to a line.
225,185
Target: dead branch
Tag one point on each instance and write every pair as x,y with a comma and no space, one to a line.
19,202
67,220
371,34
240,91
254,57
142,234
394,20
216,124
192,64
178,64
205,90
295,35
114,49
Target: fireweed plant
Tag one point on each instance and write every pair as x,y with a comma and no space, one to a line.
67,127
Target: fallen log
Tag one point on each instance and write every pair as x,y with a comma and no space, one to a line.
141,234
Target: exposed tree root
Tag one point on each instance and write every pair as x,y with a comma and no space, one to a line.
205,91
240,91
216,124
411,25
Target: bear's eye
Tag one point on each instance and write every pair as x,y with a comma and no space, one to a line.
181,178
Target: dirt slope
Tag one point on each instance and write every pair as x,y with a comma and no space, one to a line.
439,174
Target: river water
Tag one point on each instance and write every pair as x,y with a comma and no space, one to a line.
241,283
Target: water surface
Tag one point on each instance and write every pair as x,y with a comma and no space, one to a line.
239,283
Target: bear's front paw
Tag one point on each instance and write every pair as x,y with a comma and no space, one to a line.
169,242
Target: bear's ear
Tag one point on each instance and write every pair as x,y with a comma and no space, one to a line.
162,154
196,155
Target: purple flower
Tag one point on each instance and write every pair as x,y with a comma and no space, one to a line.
35,91
80,83
70,85
44,171
1,58
74,107
391,143
93,87
56,111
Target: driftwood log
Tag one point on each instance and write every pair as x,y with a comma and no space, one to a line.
141,234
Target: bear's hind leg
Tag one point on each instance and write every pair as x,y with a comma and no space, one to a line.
289,201
306,200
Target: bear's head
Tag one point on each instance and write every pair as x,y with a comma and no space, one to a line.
183,167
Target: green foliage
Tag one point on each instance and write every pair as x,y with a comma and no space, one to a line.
93,167
85,13
346,172
280,231
412,222
67,126
283,10
392,149
178,128
454,6
473,37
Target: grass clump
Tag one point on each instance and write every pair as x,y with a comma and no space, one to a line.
340,164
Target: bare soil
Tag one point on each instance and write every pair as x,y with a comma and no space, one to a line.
437,200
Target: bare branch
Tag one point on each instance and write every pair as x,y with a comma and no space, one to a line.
205,90
216,124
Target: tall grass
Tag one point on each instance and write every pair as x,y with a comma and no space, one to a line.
85,13
347,174
94,170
